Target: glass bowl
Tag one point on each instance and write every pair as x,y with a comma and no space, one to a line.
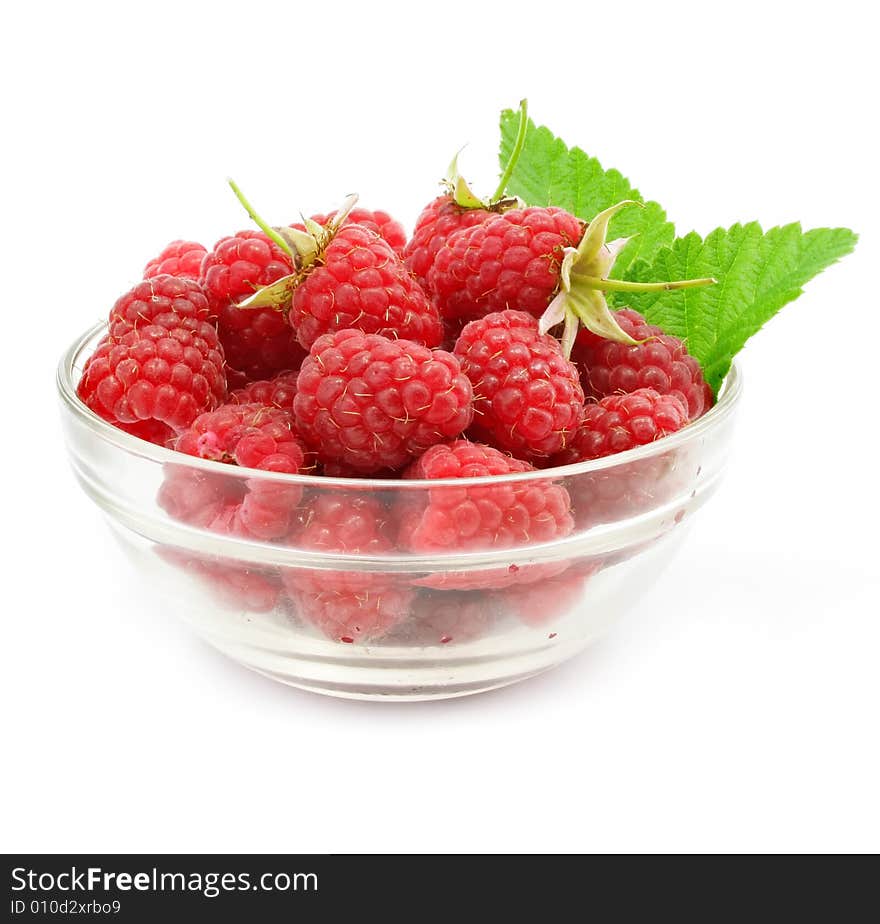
397,625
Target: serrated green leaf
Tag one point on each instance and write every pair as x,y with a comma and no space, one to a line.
757,274
550,173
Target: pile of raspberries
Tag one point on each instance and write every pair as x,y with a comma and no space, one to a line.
390,358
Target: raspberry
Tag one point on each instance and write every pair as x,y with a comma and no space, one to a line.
231,583
528,397
621,422
353,617
251,436
378,222
240,264
371,403
439,219
511,260
539,605
197,498
444,618
346,523
179,258
360,604
275,392
448,518
359,282
155,298
661,363
150,430
258,341
615,424
160,361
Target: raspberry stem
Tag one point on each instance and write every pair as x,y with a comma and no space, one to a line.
305,249
260,223
518,145
621,285
464,196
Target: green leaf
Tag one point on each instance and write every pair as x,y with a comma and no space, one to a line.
757,274
549,173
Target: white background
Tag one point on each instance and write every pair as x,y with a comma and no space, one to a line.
735,709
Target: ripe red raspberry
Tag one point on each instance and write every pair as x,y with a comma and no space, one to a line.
371,403
547,603
179,258
160,296
359,282
661,363
232,584
527,396
511,260
379,222
250,436
167,369
258,341
615,424
341,522
240,264
503,515
621,422
353,617
198,498
275,392
150,430
346,605
439,219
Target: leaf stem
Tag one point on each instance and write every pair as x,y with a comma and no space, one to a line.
260,223
621,285
517,150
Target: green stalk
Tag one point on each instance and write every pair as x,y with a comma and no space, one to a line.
517,150
621,285
260,223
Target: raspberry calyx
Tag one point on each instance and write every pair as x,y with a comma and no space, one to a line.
462,195
304,247
584,282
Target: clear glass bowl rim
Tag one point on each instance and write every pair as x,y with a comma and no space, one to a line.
728,398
